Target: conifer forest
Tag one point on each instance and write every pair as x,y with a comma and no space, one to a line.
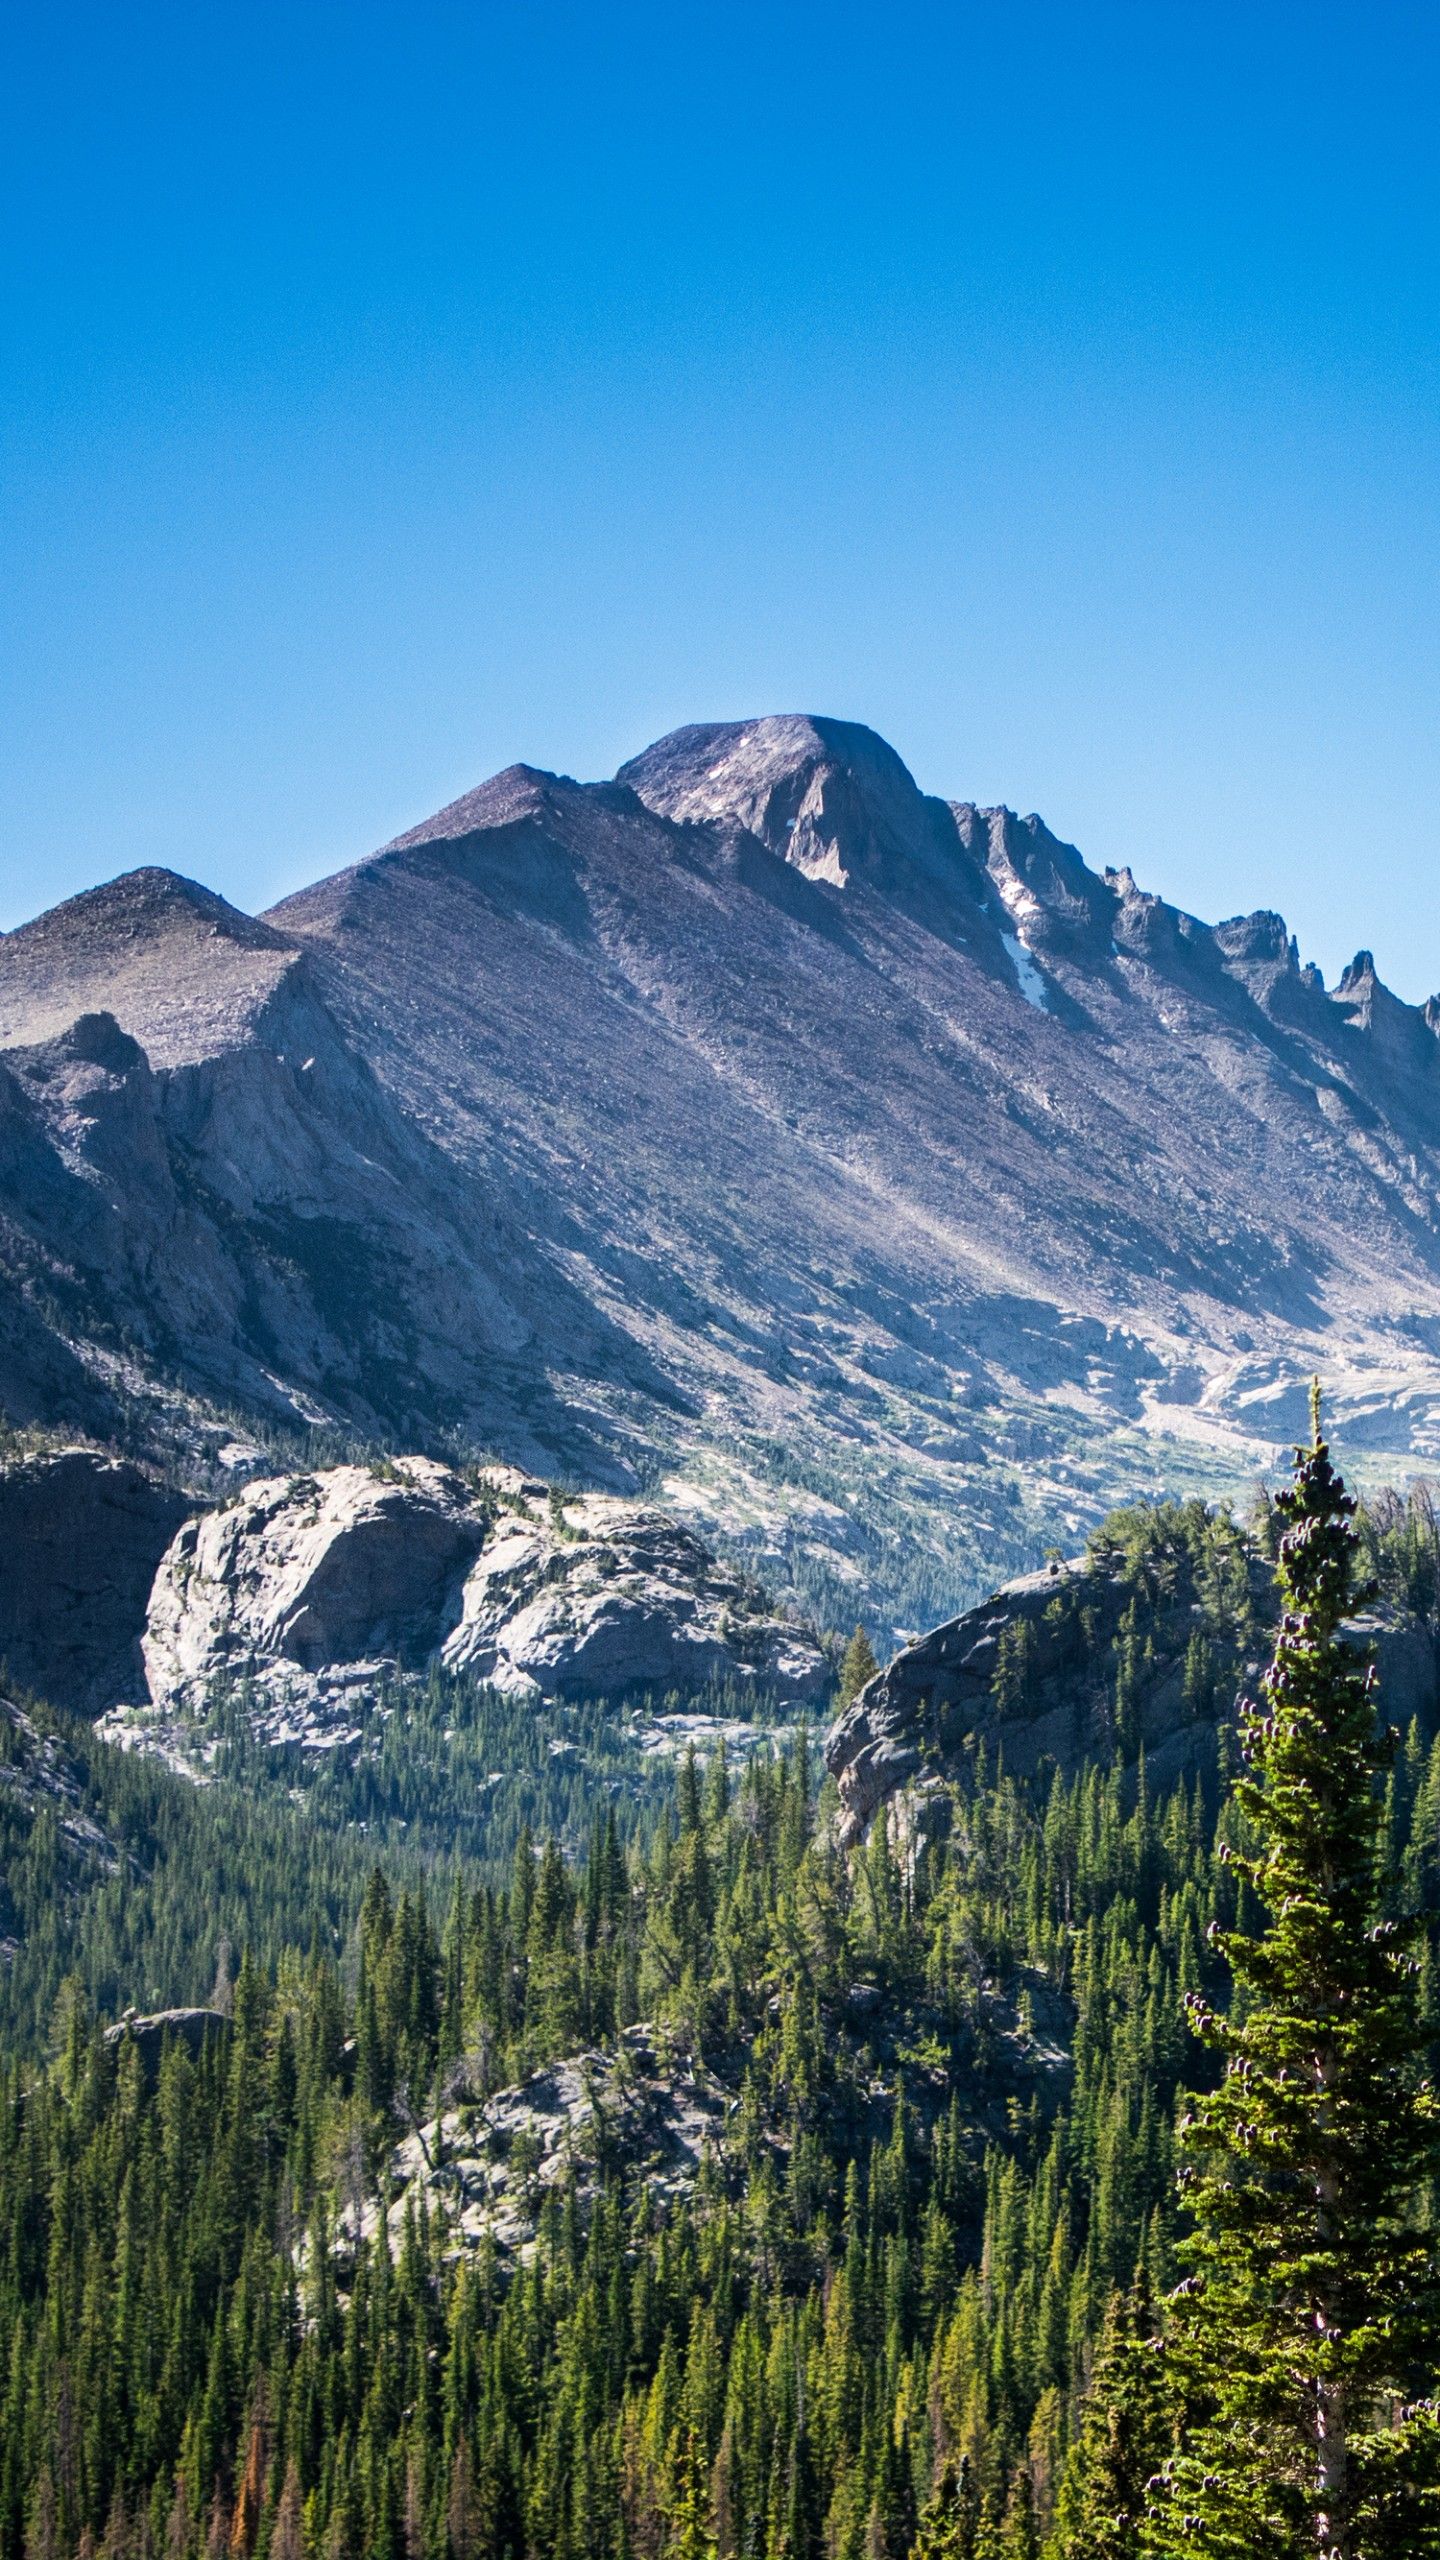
1061,2180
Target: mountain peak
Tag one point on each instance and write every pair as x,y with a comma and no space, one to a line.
1051,896
143,901
519,791
827,795
169,957
606,1126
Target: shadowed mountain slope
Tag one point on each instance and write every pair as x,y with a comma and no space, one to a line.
860,1166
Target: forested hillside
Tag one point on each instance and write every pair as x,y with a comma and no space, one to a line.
246,2304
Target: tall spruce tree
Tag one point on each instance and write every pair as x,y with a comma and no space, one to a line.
950,2527
1306,2330
1124,2434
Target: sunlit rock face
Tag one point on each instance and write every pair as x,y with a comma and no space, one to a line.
305,1594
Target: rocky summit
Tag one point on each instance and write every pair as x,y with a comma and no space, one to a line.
857,1171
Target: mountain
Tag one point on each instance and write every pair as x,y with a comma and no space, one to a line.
859,1170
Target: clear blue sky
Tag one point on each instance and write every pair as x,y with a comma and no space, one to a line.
394,392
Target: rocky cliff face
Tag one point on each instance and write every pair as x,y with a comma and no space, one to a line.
218,1196
599,1597
81,1536
350,1565
307,1592
1084,1659
896,1187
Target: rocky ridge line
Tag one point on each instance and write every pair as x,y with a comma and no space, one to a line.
862,1166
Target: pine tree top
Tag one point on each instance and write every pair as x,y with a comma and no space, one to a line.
858,1667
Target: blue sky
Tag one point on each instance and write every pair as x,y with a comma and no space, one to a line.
392,393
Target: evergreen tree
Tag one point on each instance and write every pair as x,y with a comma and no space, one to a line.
858,1666
1124,2435
950,2525
1307,2325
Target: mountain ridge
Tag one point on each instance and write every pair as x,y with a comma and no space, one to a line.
858,1168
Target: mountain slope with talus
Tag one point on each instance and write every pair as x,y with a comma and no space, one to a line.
859,1169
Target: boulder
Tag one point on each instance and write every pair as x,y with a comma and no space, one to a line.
81,1535
347,1565
194,2028
601,1597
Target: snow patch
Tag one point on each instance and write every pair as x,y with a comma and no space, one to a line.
1018,897
1031,978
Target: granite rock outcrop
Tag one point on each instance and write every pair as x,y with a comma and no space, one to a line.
1029,1677
597,1596
306,1594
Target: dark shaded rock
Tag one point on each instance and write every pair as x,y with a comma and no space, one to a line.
42,1779
81,1536
946,1696
194,2028
940,1693
1407,1663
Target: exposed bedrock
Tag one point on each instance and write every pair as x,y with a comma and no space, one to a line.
81,1535
305,1586
1031,1675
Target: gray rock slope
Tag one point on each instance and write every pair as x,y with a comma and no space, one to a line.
660,2120
861,1166
309,1591
947,1696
